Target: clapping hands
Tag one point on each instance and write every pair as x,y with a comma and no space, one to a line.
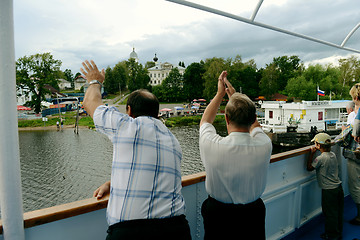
224,86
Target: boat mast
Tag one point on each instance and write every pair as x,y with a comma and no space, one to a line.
10,180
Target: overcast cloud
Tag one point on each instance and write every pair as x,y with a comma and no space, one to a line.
106,31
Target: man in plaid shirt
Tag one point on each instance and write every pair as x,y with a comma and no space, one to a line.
145,188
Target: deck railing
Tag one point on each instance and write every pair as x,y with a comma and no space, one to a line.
289,191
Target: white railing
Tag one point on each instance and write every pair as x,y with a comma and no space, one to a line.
292,198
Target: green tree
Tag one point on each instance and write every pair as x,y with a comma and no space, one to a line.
326,78
286,67
110,84
34,72
246,77
269,81
213,68
349,73
120,75
301,88
149,64
172,87
69,77
137,76
193,81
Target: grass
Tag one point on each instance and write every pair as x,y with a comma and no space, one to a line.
69,119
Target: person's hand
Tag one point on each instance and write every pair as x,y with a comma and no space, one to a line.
313,149
221,83
230,90
357,139
101,191
91,71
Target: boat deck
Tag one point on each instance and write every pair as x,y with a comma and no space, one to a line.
315,227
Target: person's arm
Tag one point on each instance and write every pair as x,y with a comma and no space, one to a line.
309,165
224,86
92,97
255,125
103,190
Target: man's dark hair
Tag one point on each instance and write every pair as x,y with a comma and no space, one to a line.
143,103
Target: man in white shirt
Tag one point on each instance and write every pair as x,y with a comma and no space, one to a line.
236,168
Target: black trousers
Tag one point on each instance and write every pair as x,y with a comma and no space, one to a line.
332,202
233,221
165,228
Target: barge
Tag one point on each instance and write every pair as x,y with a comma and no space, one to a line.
295,124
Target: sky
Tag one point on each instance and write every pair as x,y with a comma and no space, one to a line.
107,30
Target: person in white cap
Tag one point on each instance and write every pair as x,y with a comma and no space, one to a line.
327,173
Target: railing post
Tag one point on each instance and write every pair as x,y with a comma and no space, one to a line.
10,180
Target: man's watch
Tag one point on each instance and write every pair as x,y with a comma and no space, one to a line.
95,82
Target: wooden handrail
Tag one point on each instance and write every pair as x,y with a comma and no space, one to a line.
51,214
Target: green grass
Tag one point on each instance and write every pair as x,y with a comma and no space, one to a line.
69,119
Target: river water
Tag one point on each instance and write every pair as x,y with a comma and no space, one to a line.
59,167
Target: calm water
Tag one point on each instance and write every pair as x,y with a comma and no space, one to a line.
58,167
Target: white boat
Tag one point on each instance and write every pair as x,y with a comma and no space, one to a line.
280,117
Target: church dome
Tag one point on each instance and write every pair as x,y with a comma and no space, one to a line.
155,58
134,55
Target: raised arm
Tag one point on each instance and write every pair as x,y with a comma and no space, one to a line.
92,97
211,110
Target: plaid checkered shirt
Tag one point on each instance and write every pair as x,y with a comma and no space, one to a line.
146,175
346,140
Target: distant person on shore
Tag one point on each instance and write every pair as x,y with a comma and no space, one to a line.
57,125
332,195
352,154
145,188
236,167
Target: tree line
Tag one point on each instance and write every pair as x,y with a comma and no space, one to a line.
285,74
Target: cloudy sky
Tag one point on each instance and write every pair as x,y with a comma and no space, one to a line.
107,30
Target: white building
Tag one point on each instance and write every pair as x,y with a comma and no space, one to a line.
64,84
79,82
161,70
23,95
307,114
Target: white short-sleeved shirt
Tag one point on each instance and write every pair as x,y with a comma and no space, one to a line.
327,170
351,118
146,175
236,166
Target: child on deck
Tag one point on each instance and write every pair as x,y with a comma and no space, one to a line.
327,173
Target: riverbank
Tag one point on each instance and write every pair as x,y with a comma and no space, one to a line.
49,128
87,122
69,120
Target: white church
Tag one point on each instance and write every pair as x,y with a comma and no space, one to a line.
160,71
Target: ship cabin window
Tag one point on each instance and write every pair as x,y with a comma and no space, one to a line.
271,114
320,116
